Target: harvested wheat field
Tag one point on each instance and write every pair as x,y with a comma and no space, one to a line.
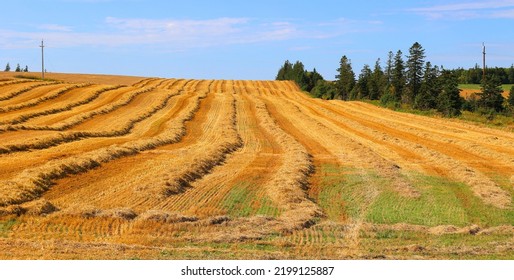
150,168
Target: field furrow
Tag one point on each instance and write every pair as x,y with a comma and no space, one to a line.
221,192
13,90
120,123
409,153
36,97
73,98
126,188
288,187
101,104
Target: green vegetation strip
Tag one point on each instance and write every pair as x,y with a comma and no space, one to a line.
442,201
243,200
505,87
5,227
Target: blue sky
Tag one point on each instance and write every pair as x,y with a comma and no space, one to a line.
248,40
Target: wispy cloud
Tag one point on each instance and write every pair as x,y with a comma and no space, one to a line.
173,34
468,10
55,27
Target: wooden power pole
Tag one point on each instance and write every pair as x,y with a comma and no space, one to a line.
483,61
42,60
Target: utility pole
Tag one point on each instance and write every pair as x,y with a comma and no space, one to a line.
42,60
483,61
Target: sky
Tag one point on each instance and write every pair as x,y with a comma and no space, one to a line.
248,39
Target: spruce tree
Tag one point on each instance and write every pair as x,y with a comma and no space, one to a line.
398,77
364,83
511,74
491,98
18,68
510,99
377,83
449,102
429,90
285,71
298,73
7,67
345,79
389,68
311,79
414,73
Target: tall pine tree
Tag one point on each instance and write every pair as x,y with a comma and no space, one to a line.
378,82
398,77
510,99
285,72
389,68
345,78
491,98
363,84
429,90
449,101
414,73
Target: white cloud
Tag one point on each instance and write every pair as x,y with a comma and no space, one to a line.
55,27
178,27
174,34
468,10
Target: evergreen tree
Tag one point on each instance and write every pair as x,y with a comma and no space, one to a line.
306,80
285,71
449,101
429,90
311,79
510,99
414,73
511,74
345,79
324,89
475,75
7,67
298,73
398,77
491,98
389,68
378,82
26,69
18,68
363,83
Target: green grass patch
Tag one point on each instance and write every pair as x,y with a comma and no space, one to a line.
505,87
447,246
442,202
344,191
499,120
243,201
503,120
5,227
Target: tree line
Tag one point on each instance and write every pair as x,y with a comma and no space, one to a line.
18,68
474,75
409,81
